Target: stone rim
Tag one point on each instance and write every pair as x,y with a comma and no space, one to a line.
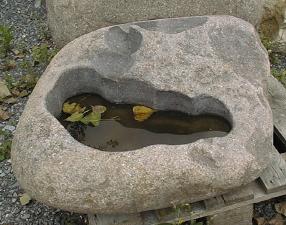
38,120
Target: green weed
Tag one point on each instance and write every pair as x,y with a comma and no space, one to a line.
270,46
5,147
280,75
9,80
27,65
42,54
6,38
21,86
27,82
179,211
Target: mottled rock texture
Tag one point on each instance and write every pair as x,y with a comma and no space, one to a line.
273,24
69,19
197,65
277,100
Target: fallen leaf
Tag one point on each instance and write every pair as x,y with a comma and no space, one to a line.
9,65
25,199
276,220
260,221
98,108
281,208
75,117
93,118
15,51
10,100
23,93
3,114
4,91
72,108
142,113
19,56
15,92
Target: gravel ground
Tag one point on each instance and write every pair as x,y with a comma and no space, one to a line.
12,212
29,28
279,62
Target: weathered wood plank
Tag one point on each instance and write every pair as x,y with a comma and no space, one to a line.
214,203
241,198
241,194
274,177
238,216
248,195
255,193
91,219
116,219
277,99
199,210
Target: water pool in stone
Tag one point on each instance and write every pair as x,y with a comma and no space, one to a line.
126,134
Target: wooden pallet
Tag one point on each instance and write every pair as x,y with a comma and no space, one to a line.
235,207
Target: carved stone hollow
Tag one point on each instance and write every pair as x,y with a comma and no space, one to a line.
197,65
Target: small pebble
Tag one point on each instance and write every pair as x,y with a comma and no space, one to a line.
9,127
25,216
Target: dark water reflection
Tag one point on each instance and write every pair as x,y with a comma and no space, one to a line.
125,134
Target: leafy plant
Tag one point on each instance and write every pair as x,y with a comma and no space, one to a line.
6,38
280,75
27,65
270,47
43,54
9,80
26,82
5,147
268,44
179,209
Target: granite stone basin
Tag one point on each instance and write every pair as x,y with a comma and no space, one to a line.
210,64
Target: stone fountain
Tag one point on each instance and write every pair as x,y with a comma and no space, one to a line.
196,65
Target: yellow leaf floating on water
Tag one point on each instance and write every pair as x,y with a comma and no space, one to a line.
72,108
93,118
142,113
98,109
75,117
77,113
